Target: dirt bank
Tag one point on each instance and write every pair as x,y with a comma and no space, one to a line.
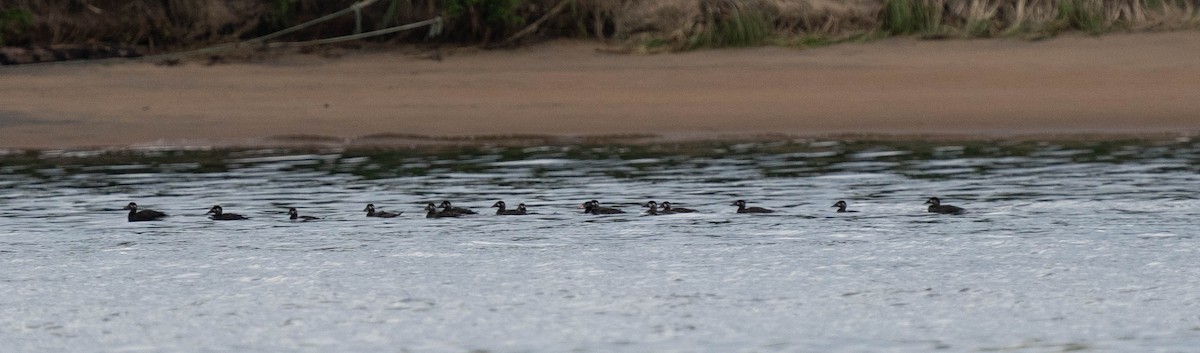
1118,84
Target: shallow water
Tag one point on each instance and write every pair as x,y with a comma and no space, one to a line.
1085,246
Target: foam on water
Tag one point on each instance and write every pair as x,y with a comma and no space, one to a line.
1055,255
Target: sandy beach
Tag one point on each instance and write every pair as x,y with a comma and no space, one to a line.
1122,84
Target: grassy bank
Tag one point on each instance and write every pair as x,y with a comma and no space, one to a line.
164,25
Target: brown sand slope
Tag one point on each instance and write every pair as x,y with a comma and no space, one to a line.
1117,84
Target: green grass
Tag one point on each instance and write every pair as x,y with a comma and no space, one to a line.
979,29
911,17
1080,15
743,28
14,22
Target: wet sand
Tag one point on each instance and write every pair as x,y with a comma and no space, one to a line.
1115,85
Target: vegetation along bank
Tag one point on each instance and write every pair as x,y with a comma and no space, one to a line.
47,30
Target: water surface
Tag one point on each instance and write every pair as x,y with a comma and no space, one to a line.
1067,246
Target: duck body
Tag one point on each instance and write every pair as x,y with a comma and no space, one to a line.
218,214
136,215
447,207
500,209
594,207
841,207
666,208
295,216
936,206
432,212
371,212
741,204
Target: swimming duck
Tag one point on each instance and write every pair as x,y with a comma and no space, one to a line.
218,214
143,215
936,206
666,208
499,205
295,215
446,207
371,212
841,207
741,204
652,208
432,212
594,207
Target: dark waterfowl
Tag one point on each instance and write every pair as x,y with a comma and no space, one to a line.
371,212
741,204
446,207
218,214
144,215
594,207
500,209
666,208
841,207
652,208
432,212
295,216
936,206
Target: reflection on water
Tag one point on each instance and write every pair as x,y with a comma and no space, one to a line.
1067,245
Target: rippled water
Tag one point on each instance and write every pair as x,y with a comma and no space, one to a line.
1068,246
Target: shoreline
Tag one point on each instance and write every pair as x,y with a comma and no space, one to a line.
1111,87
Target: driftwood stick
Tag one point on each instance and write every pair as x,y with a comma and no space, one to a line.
534,26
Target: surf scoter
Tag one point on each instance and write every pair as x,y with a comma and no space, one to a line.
432,212
499,205
936,206
666,208
449,208
218,214
295,215
371,212
741,204
143,215
652,208
594,207
841,207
